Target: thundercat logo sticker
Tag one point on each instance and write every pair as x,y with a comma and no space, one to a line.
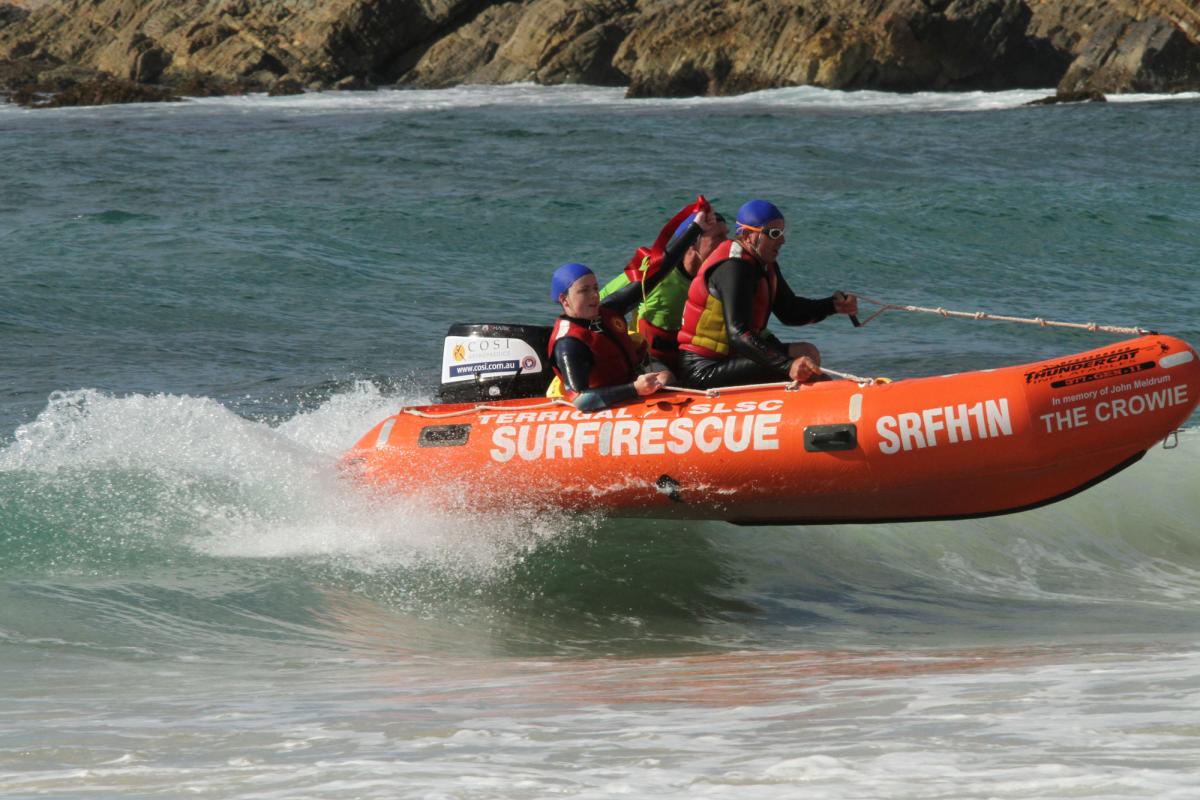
1080,370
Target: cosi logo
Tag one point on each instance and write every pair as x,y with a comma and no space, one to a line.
474,349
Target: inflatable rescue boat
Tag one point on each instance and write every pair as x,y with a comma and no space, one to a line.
952,446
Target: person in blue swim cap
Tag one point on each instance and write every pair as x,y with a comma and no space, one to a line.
723,339
564,278
591,352
655,281
713,230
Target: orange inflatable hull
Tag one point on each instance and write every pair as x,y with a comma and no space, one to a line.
952,446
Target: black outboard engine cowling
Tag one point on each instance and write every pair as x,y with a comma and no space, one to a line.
494,361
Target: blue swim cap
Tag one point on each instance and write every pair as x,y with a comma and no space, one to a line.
564,276
757,213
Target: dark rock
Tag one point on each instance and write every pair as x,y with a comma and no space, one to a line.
150,64
354,83
689,79
32,82
202,85
978,45
93,92
286,86
16,73
10,14
365,39
1085,96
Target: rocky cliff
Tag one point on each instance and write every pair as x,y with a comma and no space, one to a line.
654,47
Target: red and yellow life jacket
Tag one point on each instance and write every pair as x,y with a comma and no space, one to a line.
703,331
615,357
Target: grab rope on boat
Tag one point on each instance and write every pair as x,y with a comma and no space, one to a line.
480,407
790,386
1045,323
716,392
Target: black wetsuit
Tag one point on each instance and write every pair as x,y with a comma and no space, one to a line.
757,356
575,359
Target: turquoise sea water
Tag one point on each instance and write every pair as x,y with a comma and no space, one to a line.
204,304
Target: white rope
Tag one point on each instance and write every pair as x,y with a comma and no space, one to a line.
481,407
716,392
1045,323
790,386
846,376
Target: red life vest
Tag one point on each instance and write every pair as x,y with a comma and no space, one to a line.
662,344
615,358
703,330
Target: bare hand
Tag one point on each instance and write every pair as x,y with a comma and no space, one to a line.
647,384
845,303
802,369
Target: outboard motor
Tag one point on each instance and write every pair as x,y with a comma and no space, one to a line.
494,361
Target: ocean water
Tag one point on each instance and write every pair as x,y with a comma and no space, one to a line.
204,304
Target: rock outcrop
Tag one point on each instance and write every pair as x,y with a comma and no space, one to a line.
544,41
95,91
1124,45
897,45
322,42
655,47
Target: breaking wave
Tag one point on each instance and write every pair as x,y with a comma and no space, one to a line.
160,489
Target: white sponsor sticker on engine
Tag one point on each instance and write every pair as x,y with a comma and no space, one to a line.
465,357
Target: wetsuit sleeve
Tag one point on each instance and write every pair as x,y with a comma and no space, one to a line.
793,310
574,361
623,300
673,255
734,287
773,340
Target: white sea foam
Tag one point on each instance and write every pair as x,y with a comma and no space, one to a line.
798,97
988,723
241,488
1135,97
575,96
527,95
